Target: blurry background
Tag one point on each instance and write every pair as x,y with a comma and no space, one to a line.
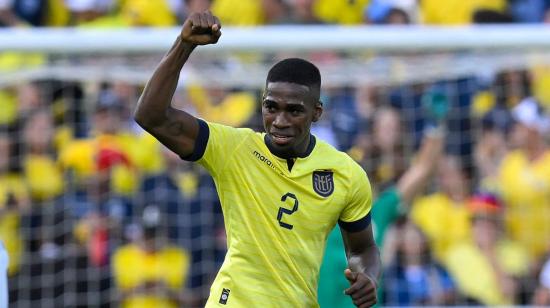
94,212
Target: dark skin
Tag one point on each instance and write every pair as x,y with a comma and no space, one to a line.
288,109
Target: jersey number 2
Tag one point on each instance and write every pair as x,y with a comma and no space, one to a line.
283,210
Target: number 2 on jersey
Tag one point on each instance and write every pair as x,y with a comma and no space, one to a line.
283,210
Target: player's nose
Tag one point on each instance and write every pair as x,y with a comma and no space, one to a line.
281,120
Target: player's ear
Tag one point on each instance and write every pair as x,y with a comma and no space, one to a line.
318,111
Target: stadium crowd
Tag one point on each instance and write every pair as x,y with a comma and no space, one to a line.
94,211
161,13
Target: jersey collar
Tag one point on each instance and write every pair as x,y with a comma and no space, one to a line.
310,147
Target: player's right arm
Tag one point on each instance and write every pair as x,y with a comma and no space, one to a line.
175,128
418,174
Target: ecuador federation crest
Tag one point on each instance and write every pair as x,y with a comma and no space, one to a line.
323,183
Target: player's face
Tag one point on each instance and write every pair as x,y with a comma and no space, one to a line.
288,109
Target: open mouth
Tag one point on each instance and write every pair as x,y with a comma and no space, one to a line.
281,139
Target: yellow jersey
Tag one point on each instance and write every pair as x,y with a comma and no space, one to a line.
132,267
465,261
444,221
525,187
277,220
456,12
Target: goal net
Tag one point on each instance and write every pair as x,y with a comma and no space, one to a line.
80,181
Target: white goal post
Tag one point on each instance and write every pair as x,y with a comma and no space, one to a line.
371,54
280,38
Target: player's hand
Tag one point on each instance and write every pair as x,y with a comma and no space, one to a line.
362,289
201,29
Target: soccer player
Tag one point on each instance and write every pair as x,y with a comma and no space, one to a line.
281,191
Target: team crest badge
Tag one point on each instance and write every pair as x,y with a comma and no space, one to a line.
323,183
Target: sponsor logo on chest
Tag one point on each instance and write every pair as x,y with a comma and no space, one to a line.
264,159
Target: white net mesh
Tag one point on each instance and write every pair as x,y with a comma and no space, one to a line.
78,173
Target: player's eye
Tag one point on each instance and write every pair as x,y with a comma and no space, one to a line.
270,106
296,111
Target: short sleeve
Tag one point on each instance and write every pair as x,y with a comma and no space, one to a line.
215,144
356,215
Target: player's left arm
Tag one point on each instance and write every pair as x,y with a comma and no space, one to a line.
364,266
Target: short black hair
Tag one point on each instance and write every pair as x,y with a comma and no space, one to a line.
296,70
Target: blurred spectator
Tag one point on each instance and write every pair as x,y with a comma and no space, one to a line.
29,97
70,111
343,116
192,6
339,12
127,13
207,237
412,182
42,174
233,108
14,200
302,12
51,251
511,87
163,189
13,189
442,215
105,174
386,160
492,146
456,11
507,90
104,217
112,140
484,16
239,13
385,12
542,294
387,207
83,11
488,267
455,96
540,78
407,100
124,96
140,13
529,11
187,199
524,180
17,102
276,12
151,272
413,277
15,13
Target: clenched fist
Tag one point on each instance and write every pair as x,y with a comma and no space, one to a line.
362,289
201,29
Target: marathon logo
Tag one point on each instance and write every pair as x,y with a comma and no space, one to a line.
264,159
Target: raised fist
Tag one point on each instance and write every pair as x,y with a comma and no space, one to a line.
201,29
